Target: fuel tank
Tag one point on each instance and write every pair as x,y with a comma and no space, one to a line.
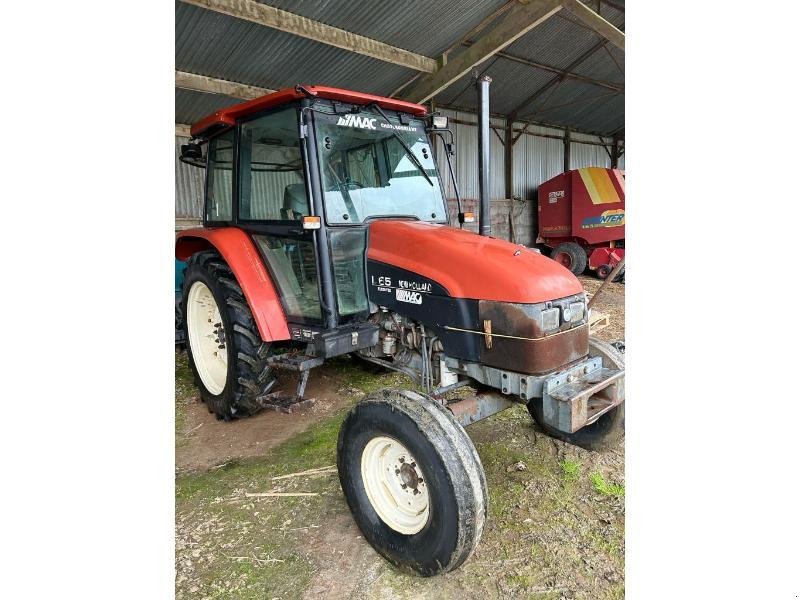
482,297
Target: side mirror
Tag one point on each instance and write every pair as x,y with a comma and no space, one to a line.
192,154
191,151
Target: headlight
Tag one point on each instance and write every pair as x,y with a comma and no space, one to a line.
550,320
574,312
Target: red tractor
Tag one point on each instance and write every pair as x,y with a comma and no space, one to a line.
326,228
582,219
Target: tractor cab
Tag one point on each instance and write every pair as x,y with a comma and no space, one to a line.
305,174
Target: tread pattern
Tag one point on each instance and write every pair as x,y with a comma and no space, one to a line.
253,375
463,465
576,254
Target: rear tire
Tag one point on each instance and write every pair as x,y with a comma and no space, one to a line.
394,438
227,356
608,429
571,256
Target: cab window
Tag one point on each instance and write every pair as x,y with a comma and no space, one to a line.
219,184
271,182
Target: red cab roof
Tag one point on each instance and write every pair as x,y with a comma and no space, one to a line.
227,116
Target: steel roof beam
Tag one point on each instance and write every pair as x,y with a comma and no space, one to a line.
594,21
536,65
269,16
211,85
517,22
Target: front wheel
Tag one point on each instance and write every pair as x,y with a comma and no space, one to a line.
413,481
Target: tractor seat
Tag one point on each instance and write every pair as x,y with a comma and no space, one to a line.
295,202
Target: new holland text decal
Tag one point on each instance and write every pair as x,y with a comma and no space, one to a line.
404,290
609,218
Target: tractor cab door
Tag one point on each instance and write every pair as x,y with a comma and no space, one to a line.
272,201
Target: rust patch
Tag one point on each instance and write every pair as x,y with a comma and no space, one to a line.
536,356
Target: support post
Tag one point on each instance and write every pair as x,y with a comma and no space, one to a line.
615,152
485,217
567,146
509,159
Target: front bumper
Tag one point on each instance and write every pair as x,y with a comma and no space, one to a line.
577,398
571,398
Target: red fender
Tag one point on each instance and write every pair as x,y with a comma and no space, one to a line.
243,258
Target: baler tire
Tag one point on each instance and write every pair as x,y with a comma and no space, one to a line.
248,374
603,271
607,431
577,256
442,537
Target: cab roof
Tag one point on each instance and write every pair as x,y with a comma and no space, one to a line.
226,117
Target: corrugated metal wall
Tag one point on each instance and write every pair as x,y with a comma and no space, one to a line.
188,186
536,159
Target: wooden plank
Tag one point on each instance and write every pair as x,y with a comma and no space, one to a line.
598,321
275,18
182,130
516,23
591,19
211,85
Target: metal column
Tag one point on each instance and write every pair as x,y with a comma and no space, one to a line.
485,216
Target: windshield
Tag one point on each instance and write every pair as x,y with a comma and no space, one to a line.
366,171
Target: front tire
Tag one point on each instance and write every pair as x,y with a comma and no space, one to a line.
225,350
413,481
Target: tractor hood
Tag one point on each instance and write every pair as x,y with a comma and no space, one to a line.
468,265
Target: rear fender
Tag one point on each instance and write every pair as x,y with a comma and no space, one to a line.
243,258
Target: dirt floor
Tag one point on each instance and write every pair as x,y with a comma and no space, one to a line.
556,512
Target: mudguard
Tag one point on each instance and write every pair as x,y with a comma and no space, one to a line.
243,258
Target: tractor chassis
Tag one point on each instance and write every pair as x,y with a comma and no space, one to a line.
572,398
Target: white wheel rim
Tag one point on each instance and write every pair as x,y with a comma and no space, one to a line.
206,335
395,485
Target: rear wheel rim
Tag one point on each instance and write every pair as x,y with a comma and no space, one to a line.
207,338
395,486
564,259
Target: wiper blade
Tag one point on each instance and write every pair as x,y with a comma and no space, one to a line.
408,151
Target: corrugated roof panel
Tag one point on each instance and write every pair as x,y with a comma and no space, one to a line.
427,27
556,42
512,82
576,104
191,106
215,45
600,66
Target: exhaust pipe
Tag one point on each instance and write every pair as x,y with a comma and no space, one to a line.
484,215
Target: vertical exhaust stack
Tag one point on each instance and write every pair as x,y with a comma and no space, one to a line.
484,216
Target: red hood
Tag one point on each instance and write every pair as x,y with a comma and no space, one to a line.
469,265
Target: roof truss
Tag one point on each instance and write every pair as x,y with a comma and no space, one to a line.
269,16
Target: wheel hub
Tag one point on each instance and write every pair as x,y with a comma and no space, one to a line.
395,485
207,339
